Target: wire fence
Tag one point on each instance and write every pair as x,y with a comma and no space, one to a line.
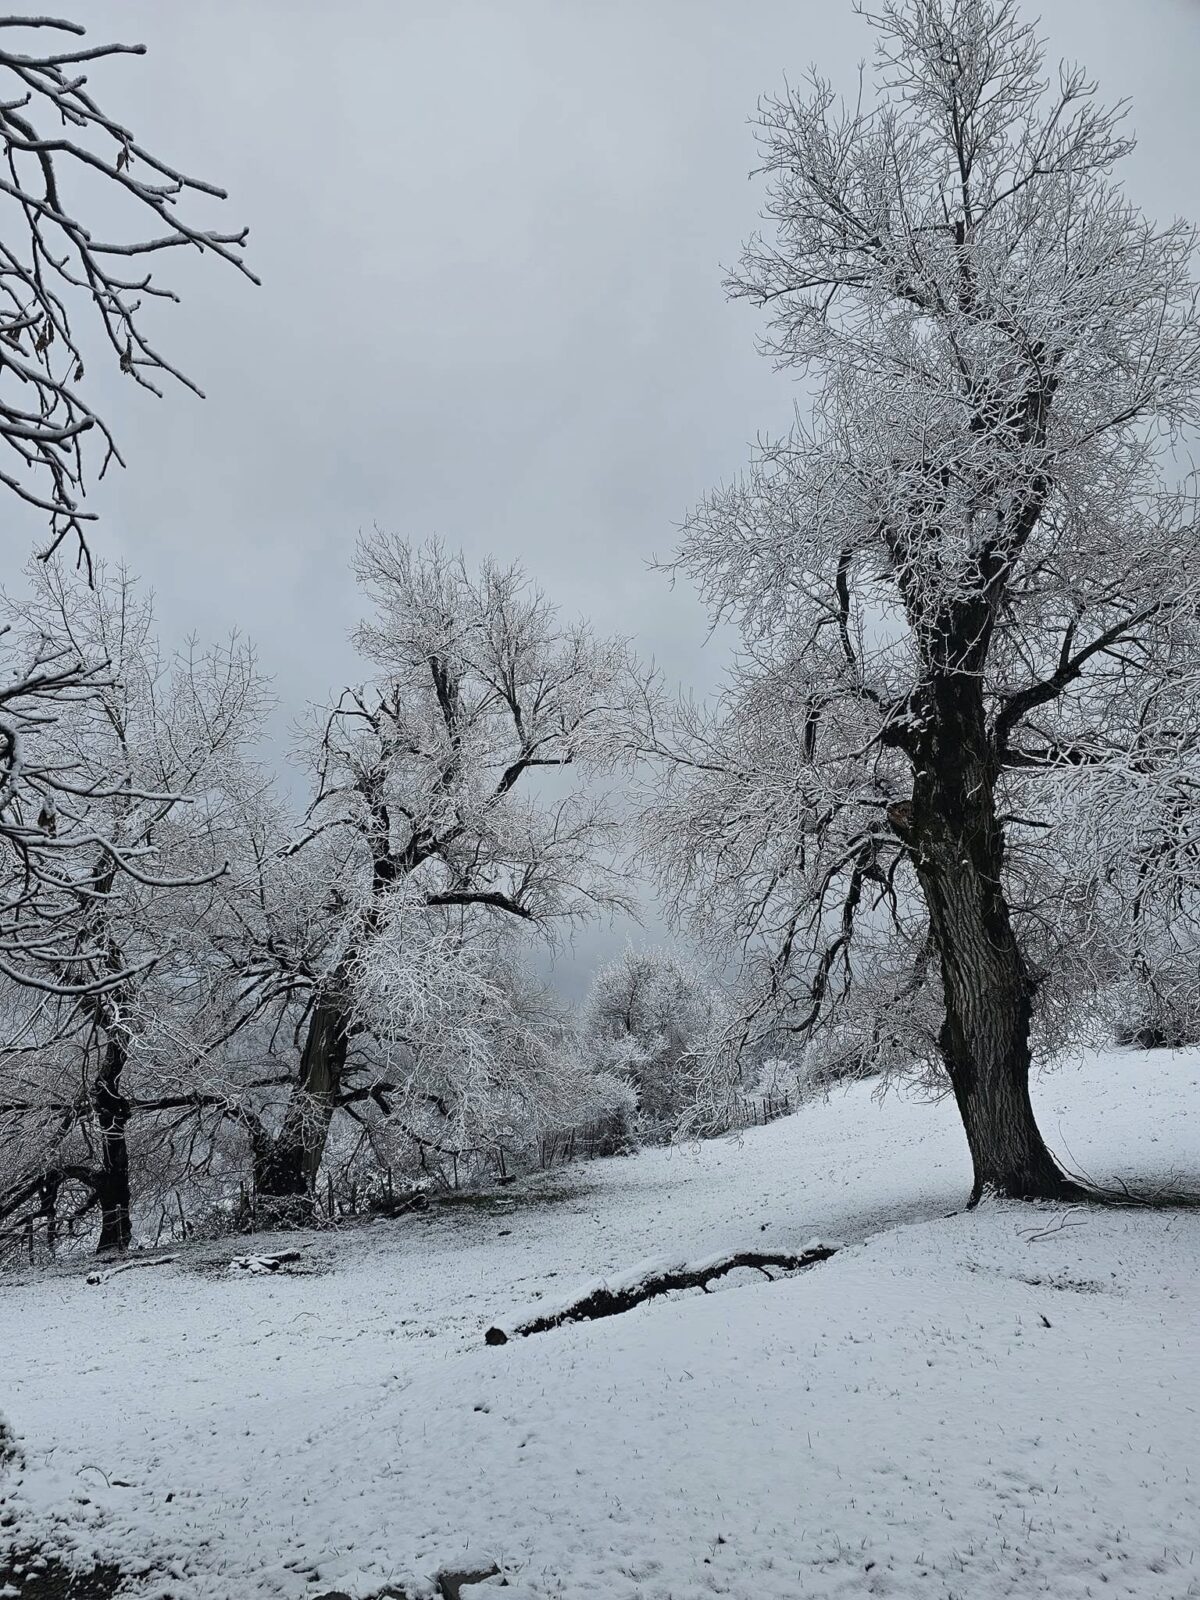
600,1139
758,1110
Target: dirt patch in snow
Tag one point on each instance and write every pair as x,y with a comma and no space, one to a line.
26,1572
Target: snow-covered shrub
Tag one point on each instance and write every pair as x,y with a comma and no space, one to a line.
652,1022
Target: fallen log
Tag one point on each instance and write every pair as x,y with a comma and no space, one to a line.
128,1266
609,1297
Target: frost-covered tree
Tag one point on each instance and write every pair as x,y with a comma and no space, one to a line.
1139,823
73,290
108,1020
463,1063
654,1022
41,682
964,578
429,780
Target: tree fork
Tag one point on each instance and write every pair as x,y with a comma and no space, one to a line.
287,1167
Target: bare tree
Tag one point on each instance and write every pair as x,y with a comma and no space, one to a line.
144,764
960,577
66,291
58,142
431,773
45,679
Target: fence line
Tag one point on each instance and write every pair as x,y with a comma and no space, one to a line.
757,1111
597,1138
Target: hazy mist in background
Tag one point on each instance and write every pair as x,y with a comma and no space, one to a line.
491,239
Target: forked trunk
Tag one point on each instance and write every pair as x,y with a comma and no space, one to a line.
287,1166
957,844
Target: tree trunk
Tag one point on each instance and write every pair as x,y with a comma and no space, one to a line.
287,1166
957,843
985,1034
112,1117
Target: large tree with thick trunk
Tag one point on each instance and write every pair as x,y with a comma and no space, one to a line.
965,583
456,799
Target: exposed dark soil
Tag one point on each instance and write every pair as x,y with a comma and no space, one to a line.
38,1577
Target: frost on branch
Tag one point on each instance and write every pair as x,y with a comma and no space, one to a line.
61,148
117,827
457,790
653,1022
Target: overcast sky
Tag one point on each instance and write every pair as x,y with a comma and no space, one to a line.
491,237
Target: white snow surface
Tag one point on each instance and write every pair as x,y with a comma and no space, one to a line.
957,1406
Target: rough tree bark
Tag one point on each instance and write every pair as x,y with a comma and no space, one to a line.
287,1166
956,839
110,1015
112,1174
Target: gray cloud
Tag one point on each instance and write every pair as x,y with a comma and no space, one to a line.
490,234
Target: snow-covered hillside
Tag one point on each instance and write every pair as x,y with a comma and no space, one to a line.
1004,1403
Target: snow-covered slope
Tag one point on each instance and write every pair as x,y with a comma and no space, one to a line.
1005,1403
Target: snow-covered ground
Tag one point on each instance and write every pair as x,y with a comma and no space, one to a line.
1005,1403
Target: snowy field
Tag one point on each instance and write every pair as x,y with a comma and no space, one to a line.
1005,1403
